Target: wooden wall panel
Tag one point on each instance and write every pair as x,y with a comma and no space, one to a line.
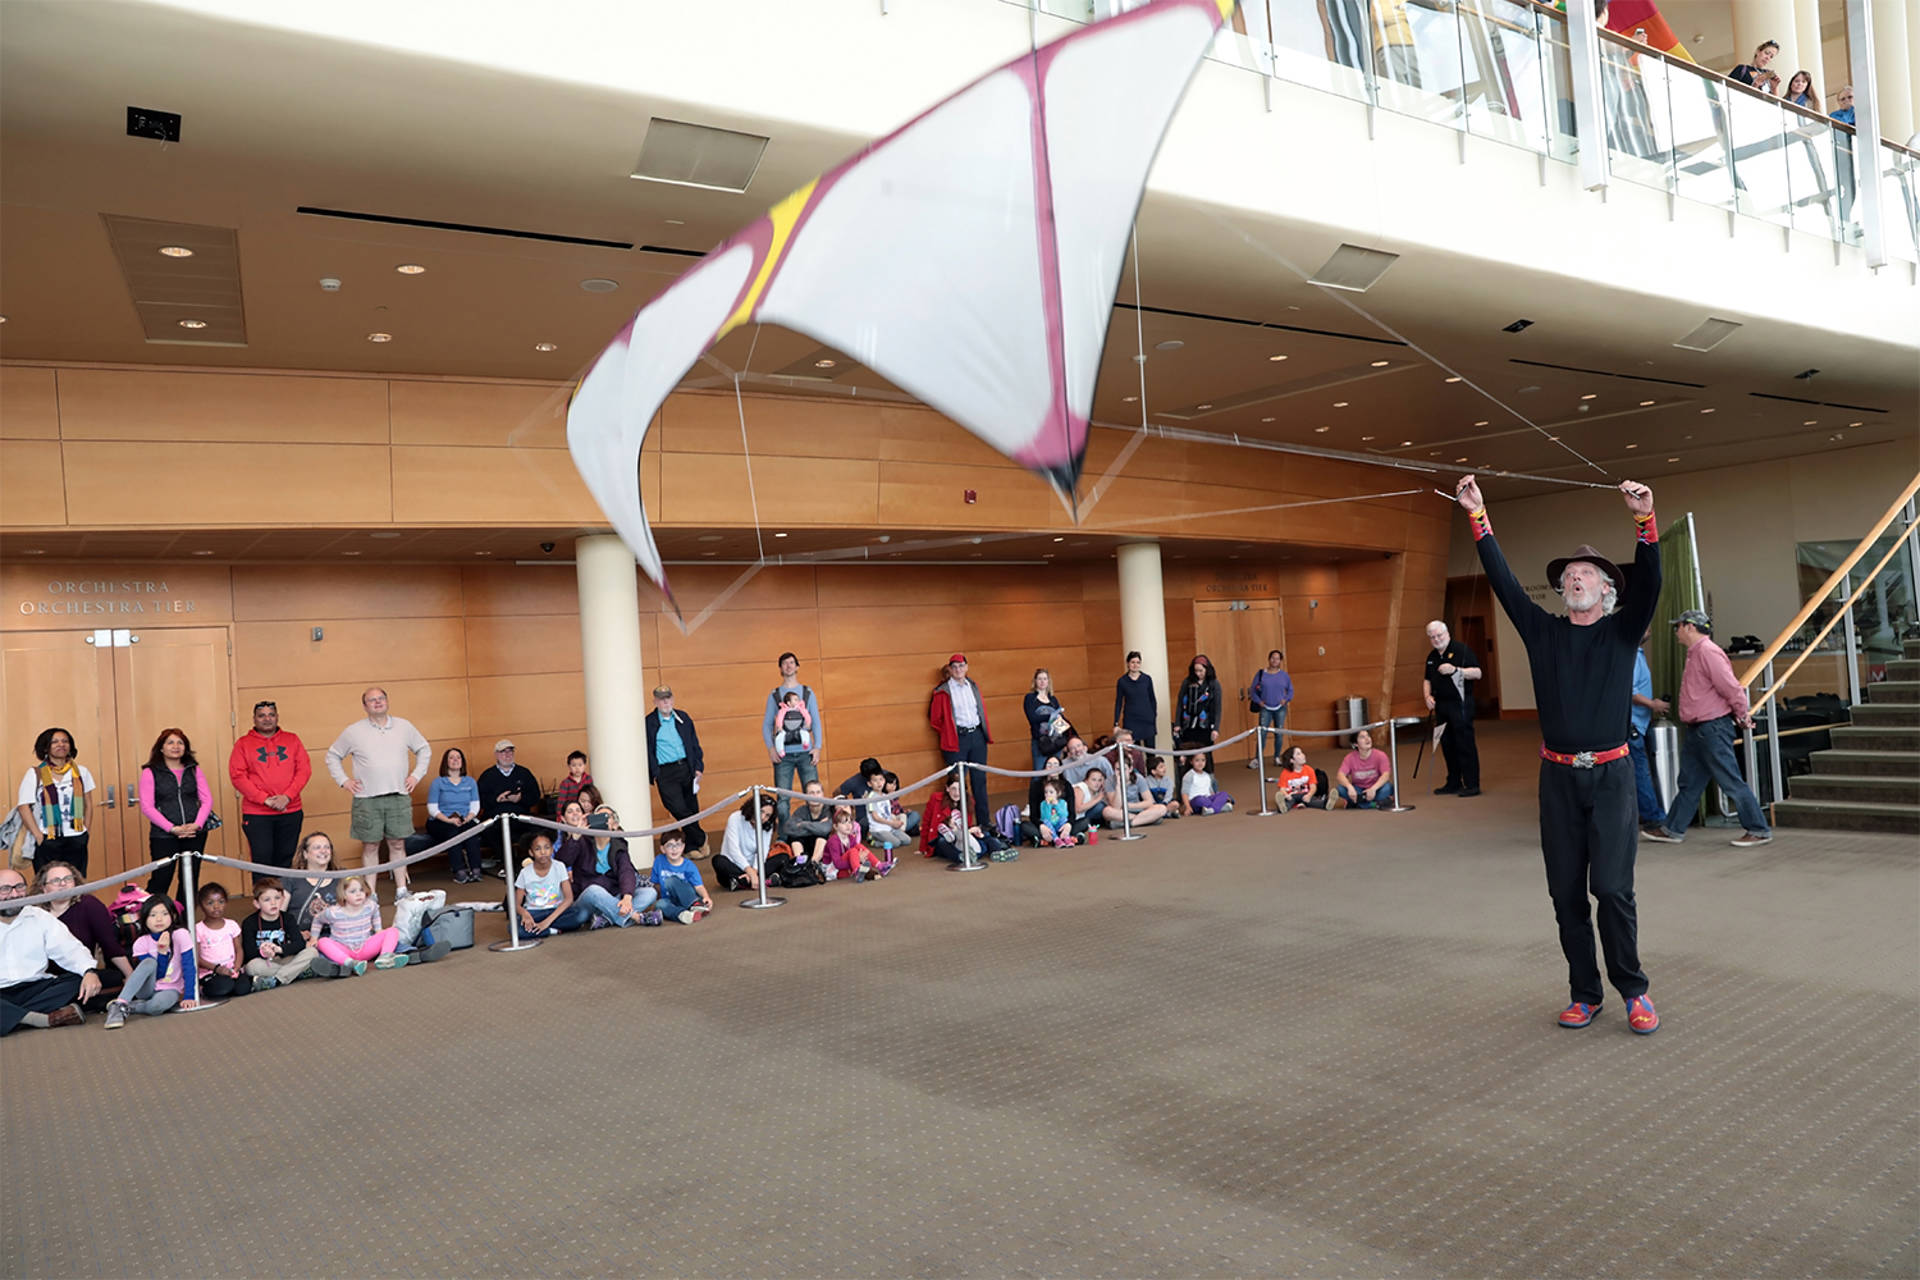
380,650
505,646
318,712
35,490
164,405
504,590
29,404
501,704
477,485
492,414
110,484
748,637
320,592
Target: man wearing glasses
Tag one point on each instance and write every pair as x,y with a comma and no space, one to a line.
508,787
44,971
269,767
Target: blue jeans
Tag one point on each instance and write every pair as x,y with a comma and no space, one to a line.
783,771
1651,809
1353,797
1275,720
1707,754
676,895
594,900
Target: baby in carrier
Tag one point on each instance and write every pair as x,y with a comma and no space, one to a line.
793,725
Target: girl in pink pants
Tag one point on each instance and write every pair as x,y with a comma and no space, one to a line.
355,935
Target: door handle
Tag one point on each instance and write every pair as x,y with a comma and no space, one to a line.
109,800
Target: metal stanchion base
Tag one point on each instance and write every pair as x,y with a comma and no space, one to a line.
507,944
755,904
201,1006
1134,835
980,865
1401,808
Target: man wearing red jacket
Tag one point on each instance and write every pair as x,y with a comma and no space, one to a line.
958,715
270,767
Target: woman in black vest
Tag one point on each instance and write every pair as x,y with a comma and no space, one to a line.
177,801
1196,718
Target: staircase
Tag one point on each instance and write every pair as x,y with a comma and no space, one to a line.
1870,779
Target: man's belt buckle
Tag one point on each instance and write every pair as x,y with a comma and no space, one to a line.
1584,760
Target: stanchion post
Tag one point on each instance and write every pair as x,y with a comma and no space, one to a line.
1260,754
967,861
1126,814
761,901
187,896
514,941
1393,757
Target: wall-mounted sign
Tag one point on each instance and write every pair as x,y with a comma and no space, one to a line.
52,597
92,597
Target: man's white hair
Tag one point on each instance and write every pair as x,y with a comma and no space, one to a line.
1609,595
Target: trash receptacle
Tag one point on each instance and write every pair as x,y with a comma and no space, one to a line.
1348,715
1663,759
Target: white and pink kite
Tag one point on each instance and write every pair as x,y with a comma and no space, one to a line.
970,257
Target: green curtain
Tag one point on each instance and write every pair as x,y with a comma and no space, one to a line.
1679,591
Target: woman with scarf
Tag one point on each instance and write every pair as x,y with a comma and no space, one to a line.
53,801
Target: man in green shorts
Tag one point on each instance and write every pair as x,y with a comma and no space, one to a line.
389,758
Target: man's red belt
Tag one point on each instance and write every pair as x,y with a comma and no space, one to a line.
1584,759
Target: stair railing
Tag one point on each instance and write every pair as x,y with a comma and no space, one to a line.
1841,578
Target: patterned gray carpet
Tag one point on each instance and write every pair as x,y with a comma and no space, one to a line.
1317,1044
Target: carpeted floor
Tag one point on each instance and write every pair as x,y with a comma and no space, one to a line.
1316,1044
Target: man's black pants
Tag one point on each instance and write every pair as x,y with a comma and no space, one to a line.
675,780
272,838
1589,835
1457,746
973,750
41,995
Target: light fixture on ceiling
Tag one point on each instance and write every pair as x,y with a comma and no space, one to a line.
825,364
1591,395
1321,430
546,346
379,337
1810,422
1646,404
1455,378
193,324
1706,411
483,553
1203,406
203,553
1048,555
1633,446
599,284
350,553
1353,268
1061,538
1459,459
1708,335
1673,459
1517,326
32,551
1481,423
1339,404
779,535
3,319
1365,438
1128,399
1380,364
1838,435
175,251
1171,344
676,222
1276,358
717,537
709,553
1405,443
1266,419
411,269
885,537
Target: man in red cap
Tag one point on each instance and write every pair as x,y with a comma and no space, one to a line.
958,715
1583,684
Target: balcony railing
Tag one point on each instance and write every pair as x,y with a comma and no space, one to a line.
1500,69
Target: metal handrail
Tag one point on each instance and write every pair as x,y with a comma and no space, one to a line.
1826,589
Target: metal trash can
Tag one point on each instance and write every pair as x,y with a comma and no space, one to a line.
1663,759
1348,714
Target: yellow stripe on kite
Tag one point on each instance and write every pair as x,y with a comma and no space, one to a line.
784,215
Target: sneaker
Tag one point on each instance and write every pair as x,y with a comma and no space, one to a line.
700,910
267,983
1641,1019
395,961
1751,840
884,868
686,917
359,968
69,1016
651,917
1647,829
1578,1014
1660,835
116,1015
598,922
1227,807
860,875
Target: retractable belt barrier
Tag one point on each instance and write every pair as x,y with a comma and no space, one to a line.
40,899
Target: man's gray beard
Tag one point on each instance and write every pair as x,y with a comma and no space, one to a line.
8,913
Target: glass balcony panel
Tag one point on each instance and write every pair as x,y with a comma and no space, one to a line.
1505,94
1323,44
1900,203
1759,157
1846,185
1697,117
1556,78
1417,59
1633,85
1242,40
1811,181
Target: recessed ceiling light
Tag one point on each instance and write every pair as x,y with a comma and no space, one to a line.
193,324
1048,555
411,269
1266,419
384,537
3,319
599,284
175,251
719,537
546,346
483,553
1481,423
1381,364
1366,437
1851,424
203,553
1061,538
1171,344
1276,358
1453,379
1203,406
885,537
676,222
1320,430
350,553
976,554
1810,422
32,551
1837,436
1405,443
1128,399
1339,404
824,364
1706,411
1591,395
379,337
1459,459
779,535
1673,459
1633,446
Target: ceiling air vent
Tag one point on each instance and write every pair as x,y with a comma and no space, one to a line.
1708,336
189,295
694,155
1353,268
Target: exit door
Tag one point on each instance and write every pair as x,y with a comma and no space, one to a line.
115,690
1236,635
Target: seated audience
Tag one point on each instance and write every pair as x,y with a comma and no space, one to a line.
273,950
606,888
353,930
164,975
216,946
941,834
44,970
1198,790
747,838
1143,810
542,891
683,894
849,853
870,781
1365,778
1090,796
91,923
453,806
890,827
1054,775
808,825
1159,780
308,896
1074,765
1053,817
1300,784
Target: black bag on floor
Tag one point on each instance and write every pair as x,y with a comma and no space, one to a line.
784,871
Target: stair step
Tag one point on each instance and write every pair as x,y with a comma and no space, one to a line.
1890,714
1875,790
1893,691
1911,648
1840,815
1857,764
1904,669
1875,738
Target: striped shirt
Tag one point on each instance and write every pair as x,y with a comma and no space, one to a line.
351,928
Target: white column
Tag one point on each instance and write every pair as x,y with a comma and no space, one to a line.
1143,623
1757,21
1892,72
614,684
1806,34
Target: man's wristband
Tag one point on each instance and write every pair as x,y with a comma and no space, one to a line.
1646,529
1482,527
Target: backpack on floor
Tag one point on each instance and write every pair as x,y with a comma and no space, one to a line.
1006,820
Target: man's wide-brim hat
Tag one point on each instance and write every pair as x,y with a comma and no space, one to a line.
1557,567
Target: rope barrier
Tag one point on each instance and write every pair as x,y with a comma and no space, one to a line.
675,825
77,890
1200,751
339,873
1039,773
831,801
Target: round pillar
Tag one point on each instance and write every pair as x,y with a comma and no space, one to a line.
1757,21
614,683
1892,71
1806,34
1143,623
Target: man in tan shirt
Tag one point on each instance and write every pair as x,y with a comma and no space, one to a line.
389,757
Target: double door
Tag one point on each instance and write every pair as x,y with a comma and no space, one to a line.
1236,636
115,691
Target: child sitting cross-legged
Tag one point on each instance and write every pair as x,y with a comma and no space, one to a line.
543,889
849,853
1199,792
1056,823
682,893
163,976
217,946
271,943
354,934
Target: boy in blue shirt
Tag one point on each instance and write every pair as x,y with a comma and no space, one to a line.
683,895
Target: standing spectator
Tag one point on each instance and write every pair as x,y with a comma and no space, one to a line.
453,806
808,761
1755,74
676,763
389,757
1801,93
1135,706
576,781
177,800
1843,104
1451,667
1046,722
90,922
958,715
53,801
44,971
1269,696
1196,716
1712,702
1365,776
1653,814
269,767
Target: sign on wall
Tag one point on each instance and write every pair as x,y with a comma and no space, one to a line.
60,596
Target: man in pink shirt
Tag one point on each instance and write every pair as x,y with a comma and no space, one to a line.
1712,703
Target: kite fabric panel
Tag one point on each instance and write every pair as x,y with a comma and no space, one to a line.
971,258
